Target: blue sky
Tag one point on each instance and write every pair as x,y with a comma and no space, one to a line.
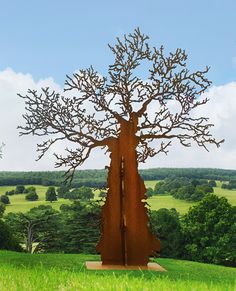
42,41
53,38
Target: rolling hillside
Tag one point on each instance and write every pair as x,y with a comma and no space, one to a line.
18,202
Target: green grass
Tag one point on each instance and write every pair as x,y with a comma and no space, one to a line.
151,184
229,194
167,201
19,204
21,272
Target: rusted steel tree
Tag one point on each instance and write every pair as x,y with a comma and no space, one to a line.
134,119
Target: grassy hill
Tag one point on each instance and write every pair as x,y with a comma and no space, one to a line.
18,202
21,271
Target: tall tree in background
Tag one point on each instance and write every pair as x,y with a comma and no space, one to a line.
51,194
36,226
133,119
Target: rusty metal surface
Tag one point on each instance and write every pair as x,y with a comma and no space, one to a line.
126,239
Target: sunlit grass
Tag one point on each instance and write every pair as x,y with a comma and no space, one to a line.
167,201
229,194
67,272
19,204
151,184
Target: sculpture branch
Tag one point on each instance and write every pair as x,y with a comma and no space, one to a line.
63,118
161,107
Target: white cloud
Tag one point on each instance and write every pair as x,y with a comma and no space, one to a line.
20,152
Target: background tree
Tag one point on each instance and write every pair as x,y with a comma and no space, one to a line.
212,183
231,185
2,209
166,224
149,192
51,194
184,188
85,193
62,190
31,196
82,193
7,240
80,231
5,199
114,112
29,189
209,229
19,189
35,227
9,193
97,178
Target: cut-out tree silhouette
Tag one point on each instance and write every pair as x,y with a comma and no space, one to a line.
135,112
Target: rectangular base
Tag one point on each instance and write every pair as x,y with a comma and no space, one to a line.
100,266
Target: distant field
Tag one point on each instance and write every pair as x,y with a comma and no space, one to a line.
18,202
167,201
151,184
229,194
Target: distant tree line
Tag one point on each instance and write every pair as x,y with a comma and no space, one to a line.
205,234
89,178
52,193
231,185
191,173
97,178
184,188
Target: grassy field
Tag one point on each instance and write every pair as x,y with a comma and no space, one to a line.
167,201
21,271
18,202
229,194
151,184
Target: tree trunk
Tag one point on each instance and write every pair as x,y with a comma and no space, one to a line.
125,239
29,241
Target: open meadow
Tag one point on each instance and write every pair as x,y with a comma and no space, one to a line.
19,204
21,272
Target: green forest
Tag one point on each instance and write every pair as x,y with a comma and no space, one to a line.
97,178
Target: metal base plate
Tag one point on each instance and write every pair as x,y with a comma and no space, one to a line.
99,266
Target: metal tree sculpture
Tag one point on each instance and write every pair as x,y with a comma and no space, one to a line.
126,114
